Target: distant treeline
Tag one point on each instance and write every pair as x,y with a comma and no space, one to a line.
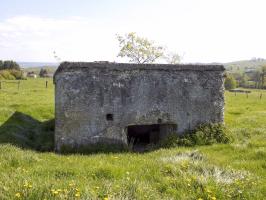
246,79
10,70
9,65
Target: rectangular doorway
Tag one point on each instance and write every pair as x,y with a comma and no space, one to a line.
140,136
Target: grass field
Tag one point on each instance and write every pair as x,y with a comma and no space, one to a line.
222,171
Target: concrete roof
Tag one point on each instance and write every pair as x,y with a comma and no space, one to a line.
75,66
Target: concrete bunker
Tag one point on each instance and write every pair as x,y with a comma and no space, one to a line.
119,103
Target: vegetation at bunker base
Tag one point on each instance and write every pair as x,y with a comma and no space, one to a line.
220,171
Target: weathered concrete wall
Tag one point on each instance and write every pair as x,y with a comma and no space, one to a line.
186,95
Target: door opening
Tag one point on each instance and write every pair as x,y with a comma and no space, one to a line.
143,134
140,136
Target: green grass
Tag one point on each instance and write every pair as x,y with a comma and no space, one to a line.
221,171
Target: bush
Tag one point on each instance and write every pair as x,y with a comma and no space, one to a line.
10,74
43,73
230,83
203,135
6,74
17,74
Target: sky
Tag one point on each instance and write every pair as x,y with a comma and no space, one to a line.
85,30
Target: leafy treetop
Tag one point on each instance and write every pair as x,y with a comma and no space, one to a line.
138,49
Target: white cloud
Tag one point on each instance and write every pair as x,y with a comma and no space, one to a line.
35,38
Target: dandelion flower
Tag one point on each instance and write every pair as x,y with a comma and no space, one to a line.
105,198
200,199
213,198
18,195
55,192
208,191
77,194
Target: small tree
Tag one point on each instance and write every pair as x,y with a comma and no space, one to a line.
243,81
138,49
43,72
263,74
256,77
172,58
230,82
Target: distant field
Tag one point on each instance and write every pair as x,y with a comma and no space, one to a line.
226,171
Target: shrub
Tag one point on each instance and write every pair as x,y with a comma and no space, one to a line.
43,73
5,74
206,134
10,74
230,82
17,74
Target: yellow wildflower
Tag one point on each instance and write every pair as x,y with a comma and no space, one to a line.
55,192
208,191
77,194
105,198
18,195
213,198
200,199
